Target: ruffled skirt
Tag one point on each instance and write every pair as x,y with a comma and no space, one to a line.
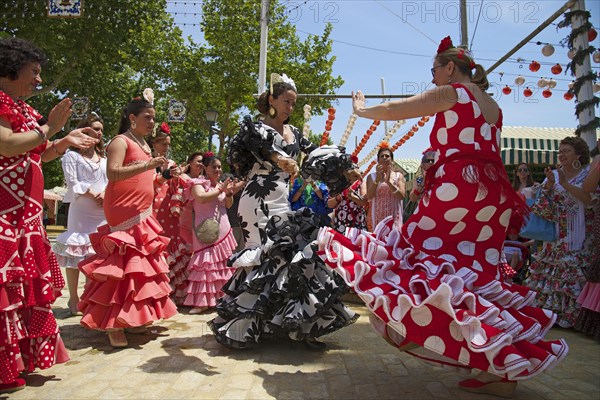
71,248
456,315
178,258
128,284
281,288
30,281
208,272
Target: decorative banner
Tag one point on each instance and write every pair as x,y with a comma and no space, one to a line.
80,107
177,110
65,8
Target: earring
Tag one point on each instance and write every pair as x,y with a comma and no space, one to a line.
133,125
272,112
450,80
576,164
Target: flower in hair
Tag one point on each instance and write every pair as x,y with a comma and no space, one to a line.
428,150
208,154
354,159
384,145
149,95
445,44
136,98
283,78
164,127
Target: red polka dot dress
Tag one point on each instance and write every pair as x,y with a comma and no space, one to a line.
168,204
436,282
30,279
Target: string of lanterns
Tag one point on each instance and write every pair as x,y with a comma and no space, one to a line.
328,125
386,137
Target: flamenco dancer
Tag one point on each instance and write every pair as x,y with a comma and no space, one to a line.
128,287
169,186
434,286
280,287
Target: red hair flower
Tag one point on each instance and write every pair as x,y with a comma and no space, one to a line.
445,44
208,154
354,159
384,145
165,128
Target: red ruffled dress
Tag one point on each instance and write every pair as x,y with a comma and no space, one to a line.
30,278
436,283
127,284
208,270
168,203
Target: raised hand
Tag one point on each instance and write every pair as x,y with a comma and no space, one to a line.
358,102
59,115
79,139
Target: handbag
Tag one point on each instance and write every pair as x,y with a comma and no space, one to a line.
207,231
538,228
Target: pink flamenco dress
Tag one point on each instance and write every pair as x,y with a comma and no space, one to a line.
208,270
30,278
127,283
168,203
434,287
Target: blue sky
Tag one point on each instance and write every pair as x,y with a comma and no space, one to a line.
396,41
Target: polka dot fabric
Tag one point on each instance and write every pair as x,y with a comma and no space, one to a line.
168,203
30,279
437,282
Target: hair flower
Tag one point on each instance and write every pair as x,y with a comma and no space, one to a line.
384,145
208,154
445,44
354,159
164,127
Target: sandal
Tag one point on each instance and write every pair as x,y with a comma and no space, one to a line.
17,384
117,338
502,388
74,312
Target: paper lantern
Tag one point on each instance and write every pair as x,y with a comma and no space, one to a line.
548,50
596,56
571,53
571,84
556,69
534,66
506,90
551,83
547,93
592,34
527,92
542,83
596,87
519,80
306,108
568,95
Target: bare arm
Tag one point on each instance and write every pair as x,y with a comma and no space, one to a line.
202,196
427,103
590,184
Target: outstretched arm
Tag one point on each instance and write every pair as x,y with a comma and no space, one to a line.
427,103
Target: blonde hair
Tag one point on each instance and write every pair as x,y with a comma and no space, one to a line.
463,60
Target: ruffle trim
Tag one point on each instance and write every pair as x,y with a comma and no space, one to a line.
491,323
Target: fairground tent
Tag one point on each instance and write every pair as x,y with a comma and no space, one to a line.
532,145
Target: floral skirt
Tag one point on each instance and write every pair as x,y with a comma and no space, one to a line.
281,288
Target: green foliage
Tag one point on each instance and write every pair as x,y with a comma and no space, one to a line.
120,47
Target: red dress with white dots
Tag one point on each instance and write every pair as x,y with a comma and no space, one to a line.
30,278
436,282
168,204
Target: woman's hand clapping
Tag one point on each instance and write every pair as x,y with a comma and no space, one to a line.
79,139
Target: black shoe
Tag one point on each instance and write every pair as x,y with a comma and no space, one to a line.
314,345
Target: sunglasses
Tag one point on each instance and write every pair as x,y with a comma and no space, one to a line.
433,69
523,170
428,161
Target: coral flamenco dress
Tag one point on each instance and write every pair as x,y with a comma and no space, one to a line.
434,286
30,278
127,284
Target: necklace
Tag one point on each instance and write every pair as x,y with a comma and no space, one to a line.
143,146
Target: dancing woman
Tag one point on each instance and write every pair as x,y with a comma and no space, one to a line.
433,286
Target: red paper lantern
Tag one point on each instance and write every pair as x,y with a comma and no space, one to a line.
556,69
547,93
527,92
376,122
592,34
331,111
568,96
534,66
410,134
421,123
506,90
